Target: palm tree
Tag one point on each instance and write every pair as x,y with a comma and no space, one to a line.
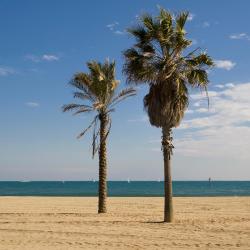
97,90
157,59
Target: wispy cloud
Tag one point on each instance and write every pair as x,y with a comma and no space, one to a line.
50,58
222,130
222,86
5,71
44,57
32,104
205,24
189,111
114,28
240,36
229,85
197,104
119,32
202,110
224,64
219,86
190,16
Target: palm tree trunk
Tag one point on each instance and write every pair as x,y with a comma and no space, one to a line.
167,152
102,165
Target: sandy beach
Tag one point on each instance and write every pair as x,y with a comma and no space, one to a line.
132,223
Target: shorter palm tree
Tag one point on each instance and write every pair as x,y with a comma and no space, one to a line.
97,90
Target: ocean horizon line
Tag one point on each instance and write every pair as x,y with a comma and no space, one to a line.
128,180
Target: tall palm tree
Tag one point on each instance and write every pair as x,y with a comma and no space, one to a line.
157,59
98,92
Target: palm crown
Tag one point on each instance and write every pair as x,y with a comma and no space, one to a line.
97,90
157,59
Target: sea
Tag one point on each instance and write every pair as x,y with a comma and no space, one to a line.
124,188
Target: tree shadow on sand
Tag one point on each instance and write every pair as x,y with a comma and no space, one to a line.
154,222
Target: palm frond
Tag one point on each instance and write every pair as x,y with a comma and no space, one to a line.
181,21
83,110
74,106
138,67
94,139
83,96
197,77
200,60
148,22
125,93
110,110
81,79
140,34
89,127
83,82
95,69
109,123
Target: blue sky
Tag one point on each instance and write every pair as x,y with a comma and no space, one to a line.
43,43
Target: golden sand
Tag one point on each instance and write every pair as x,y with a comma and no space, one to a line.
131,223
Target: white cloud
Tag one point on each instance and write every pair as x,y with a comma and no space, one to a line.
202,110
113,27
220,86
118,32
203,96
137,17
222,131
240,36
189,111
32,104
50,58
229,85
190,16
5,71
205,24
44,57
224,64
216,142
197,104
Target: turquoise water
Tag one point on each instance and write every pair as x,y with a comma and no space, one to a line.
122,188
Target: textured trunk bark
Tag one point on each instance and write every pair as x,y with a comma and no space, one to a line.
167,152
102,165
